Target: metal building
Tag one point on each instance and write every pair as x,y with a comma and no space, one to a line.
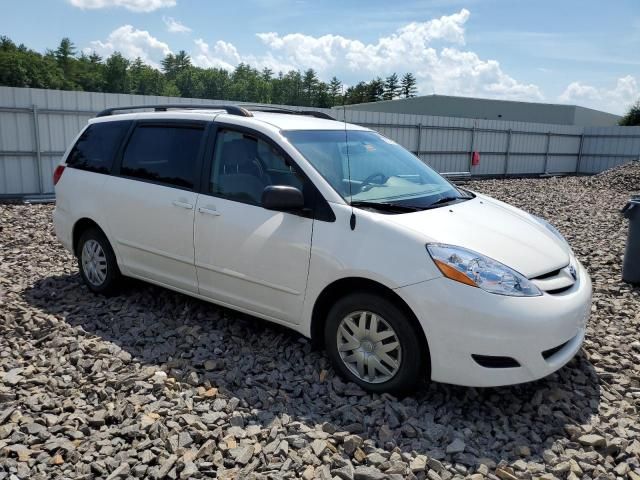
489,109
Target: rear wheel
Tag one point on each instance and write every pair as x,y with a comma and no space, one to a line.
98,265
375,344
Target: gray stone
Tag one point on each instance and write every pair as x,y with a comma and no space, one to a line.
592,440
456,446
368,473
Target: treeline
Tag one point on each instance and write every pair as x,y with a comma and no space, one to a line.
66,69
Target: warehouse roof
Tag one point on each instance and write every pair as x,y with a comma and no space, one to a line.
492,109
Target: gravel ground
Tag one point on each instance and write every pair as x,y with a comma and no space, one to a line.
154,384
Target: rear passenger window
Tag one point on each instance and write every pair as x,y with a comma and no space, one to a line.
96,147
165,154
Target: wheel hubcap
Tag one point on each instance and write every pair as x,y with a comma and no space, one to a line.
369,347
94,263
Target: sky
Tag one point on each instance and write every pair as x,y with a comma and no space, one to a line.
584,52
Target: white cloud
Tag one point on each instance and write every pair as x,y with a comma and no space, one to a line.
208,57
225,55
431,50
132,43
615,100
174,26
133,5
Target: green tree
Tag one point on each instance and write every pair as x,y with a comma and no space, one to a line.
116,74
357,94
245,84
145,80
375,90
215,83
172,64
632,117
64,68
65,56
7,45
13,71
25,68
408,87
391,87
309,86
170,90
189,82
335,91
90,73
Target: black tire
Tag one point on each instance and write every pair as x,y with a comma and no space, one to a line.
414,358
111,282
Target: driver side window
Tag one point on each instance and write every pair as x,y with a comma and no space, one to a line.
243,165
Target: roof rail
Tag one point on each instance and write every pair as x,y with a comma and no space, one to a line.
274,109
230,109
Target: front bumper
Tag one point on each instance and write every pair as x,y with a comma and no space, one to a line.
460,321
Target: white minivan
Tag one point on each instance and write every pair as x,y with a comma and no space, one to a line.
330,229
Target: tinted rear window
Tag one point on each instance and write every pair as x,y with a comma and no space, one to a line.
165,154
96,147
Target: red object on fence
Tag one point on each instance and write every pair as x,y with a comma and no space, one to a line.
475,158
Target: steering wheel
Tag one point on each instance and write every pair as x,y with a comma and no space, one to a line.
370,180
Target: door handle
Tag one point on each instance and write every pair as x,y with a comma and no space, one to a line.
185,205
209,211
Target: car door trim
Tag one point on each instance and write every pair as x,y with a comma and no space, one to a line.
155,251
242,276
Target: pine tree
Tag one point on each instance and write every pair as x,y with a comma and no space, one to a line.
90,73
632,117
7,45
172,64
375,90
335,91
116,74
357,94
309,84
391,87
65,57
267,74
408,85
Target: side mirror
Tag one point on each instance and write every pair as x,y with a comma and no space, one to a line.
282,198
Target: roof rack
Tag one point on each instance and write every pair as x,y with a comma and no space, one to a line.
274,109
230,109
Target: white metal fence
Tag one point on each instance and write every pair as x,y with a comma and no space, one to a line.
37,125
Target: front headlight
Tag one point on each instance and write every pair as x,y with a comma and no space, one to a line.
471,268
552,229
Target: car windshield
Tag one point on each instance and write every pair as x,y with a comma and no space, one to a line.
367,169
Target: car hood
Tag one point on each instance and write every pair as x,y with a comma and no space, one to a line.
495,229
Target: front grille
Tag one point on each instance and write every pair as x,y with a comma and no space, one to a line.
556,281
553,273
552,351
490,361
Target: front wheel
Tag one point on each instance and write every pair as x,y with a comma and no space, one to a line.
375,344
98,265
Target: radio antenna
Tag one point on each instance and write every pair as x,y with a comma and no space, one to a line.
352,219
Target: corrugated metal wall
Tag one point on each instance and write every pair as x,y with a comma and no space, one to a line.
36,126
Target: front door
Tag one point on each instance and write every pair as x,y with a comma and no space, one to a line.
247,256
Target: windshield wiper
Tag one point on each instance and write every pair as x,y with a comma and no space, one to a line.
385,206
443,200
